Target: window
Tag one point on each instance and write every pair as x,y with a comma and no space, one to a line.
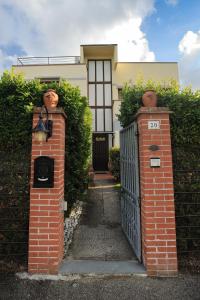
49,79
92,94
100,94
120,97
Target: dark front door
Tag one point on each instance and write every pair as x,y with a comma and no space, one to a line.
100,152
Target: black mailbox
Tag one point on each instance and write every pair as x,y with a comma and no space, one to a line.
43,172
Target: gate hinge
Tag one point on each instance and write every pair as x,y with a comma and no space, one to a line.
137,132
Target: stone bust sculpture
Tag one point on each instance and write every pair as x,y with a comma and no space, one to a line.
50,98
149,99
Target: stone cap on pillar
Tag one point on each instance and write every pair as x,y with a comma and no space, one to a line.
57,110
152,110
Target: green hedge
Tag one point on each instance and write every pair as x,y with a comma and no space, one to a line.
17,99
184,120
114,162
185,105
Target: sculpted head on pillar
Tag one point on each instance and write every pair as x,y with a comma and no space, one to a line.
149,98
50,98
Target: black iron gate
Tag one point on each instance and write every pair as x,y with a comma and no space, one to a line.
130,197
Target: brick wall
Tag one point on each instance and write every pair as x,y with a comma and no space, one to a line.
157,194
46,230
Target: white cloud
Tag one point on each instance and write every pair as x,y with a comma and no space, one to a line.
172,2
190,43
189,64
49,27
132,42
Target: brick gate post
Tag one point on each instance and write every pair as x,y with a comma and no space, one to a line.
157,193
46,224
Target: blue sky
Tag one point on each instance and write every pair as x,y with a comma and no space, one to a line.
145,30
166,26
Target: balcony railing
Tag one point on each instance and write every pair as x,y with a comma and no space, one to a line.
48,60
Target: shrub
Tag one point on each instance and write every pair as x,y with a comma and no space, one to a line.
17,99
185,105
114,155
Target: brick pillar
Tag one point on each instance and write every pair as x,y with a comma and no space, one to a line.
157,193
46,223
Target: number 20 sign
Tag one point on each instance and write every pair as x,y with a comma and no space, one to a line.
153,124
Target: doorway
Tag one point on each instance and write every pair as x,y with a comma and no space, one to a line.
100,152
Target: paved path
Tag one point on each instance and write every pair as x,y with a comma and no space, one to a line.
184,287
99,245
99,235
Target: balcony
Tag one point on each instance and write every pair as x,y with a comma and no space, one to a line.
48,60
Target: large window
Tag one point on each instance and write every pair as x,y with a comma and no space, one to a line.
100,94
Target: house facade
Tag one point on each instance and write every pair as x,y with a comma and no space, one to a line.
100,77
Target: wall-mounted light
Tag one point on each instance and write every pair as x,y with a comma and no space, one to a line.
43,129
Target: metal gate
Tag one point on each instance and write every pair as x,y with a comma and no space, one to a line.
130,198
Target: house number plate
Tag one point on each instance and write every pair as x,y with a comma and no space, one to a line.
100,139
153,124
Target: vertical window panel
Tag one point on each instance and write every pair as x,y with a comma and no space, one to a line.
92,94
93,119
99,69
107,71
108,119
120,97
110,140
91,70
99,94
108,95
100,119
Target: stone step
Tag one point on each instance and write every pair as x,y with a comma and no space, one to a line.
131,267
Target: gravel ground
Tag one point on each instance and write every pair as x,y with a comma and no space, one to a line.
111,288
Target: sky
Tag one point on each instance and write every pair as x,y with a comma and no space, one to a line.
145,30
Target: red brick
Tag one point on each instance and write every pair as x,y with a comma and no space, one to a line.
38,236
38,213
165,237
167,261
38,248
37,203
48,242
165,214
33,242
38,260
156,255
39,225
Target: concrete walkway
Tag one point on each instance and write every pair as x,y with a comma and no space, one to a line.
99,237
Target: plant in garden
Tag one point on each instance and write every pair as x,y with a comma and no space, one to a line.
184,104
17,99
114,162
